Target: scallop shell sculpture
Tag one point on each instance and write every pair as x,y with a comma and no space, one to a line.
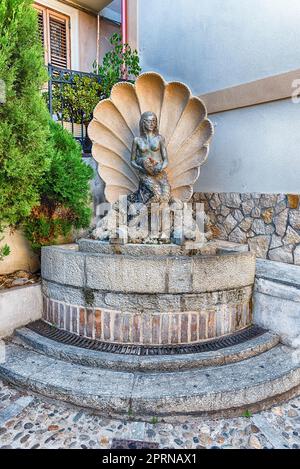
182,121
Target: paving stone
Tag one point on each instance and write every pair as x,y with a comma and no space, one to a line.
14,409
81,428
273,435
254,442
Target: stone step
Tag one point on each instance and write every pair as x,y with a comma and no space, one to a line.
255,383
115,361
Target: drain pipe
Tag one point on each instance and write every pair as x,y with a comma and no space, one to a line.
98,42
124,33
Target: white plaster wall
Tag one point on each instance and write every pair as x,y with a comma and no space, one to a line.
18,307
276,300
254,149
214,44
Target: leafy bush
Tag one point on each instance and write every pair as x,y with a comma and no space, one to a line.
115,62
44,184
24,118
78,100
64,192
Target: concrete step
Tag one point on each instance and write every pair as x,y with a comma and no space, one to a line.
255,383
115,361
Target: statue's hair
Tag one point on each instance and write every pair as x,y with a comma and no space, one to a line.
142,126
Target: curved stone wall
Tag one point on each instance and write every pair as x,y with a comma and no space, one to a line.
138,297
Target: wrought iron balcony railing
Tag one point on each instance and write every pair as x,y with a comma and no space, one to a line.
65,107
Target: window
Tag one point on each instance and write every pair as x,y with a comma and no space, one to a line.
54,29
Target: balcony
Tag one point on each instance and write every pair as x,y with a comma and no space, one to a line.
65,107
91,5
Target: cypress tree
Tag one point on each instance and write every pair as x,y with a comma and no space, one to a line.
24,118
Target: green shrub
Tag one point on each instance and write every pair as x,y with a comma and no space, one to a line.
24,118
78,100
120,58
64,192
44,184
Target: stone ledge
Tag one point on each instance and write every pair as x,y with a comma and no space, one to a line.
134,302
101,247
155,274
277,314
278,272
260,379
277,289
124,362
63,265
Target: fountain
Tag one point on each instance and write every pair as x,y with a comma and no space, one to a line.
138,286
150,315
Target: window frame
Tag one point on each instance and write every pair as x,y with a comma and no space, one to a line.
47,14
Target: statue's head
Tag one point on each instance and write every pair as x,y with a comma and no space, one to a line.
148,123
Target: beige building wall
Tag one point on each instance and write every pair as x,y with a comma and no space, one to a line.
83,34
107,29
87,40
21,255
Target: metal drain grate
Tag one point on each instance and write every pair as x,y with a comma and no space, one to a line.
51,332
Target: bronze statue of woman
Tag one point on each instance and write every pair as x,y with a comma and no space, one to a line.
149,157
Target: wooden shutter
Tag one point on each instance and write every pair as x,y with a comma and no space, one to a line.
58,35
41,27
54,30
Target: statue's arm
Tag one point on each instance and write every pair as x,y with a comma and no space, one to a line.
134,151
164,153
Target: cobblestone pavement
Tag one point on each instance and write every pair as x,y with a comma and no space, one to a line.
28,421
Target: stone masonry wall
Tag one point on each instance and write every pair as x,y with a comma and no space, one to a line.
268,223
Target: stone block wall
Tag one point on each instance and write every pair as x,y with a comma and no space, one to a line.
268,223
143,298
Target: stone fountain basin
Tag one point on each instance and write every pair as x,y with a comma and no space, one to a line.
148,294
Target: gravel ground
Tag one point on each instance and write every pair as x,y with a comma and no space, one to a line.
28,421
